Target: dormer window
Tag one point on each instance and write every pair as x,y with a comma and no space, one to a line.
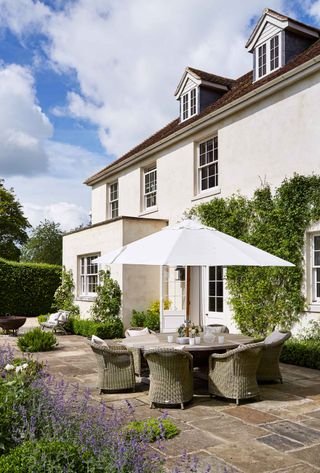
276,39
189,104
268,57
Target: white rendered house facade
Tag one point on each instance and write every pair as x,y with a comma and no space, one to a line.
230,136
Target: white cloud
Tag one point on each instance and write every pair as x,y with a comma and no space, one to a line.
314,9
129,55
68,215
60,195
23,126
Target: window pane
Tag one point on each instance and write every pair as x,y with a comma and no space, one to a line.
212,304
215,289
219,304
317,258
212,272
317,242
262,60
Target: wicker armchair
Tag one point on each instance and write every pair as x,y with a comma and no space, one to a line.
233,374
171,376
137,329
269,369
218,328
115,367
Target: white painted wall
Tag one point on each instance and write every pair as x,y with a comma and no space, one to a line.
267,141
143,282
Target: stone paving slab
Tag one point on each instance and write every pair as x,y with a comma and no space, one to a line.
283,444
280,434
252,457
204,460
293,431
227,428
252,416
309,455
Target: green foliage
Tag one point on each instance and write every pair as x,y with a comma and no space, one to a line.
44,244
153,429
111,328
13,225
151,318
263,298
312,331
44,456
108,301
36,340
27,288
64,295
302,353
43,318
138,318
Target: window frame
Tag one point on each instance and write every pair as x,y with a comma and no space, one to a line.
268,56
315,270
220,295
207,165
113,202
151,193
189,104
84,276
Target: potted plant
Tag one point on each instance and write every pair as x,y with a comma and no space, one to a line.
195,338
182,339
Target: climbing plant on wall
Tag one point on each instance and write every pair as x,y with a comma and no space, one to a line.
263,298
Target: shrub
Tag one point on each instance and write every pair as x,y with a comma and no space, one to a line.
108,300
44,455
27,288
151,318
263,298
302,353
111,328
37,340
42,318
152,429
64,295
312,331
138,319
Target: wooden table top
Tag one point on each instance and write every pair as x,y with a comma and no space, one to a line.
145,342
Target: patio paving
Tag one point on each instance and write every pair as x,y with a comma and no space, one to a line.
280,433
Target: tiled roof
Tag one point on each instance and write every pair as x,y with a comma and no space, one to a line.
208,77
241,87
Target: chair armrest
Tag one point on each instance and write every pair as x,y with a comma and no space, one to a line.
117,347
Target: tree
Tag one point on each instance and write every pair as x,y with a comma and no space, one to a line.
13,224
64,295
44,244
108,301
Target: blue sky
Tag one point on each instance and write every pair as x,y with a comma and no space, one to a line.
85,80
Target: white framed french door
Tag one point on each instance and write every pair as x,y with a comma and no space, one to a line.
214,295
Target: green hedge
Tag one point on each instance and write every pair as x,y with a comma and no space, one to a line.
302,353
27,288
112,328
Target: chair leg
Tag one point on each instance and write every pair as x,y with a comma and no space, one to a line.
238,402
182,406
151,405
281,380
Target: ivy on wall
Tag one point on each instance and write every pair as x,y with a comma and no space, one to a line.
265,297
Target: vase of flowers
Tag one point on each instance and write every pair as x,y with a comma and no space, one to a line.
182,338
195,331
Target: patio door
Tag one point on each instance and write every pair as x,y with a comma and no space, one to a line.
214,291
174,286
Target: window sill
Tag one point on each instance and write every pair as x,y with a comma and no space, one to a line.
204,195
86,298
314,307
150,210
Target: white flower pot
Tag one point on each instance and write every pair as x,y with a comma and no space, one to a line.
183,340
192,341
198,340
